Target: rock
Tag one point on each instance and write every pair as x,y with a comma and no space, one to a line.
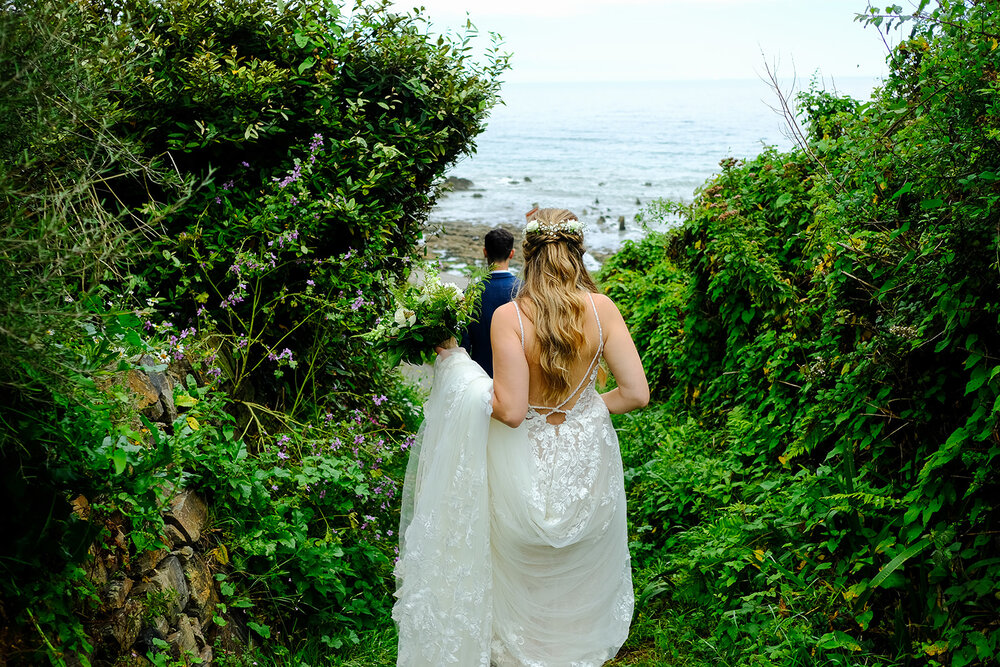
168,404
199,633
201,586
167,587
477,195
160,625
188,640
117,592
189,513
163,386
143,387
648,184
601,220
148,560
185,554
527,180
458,184
172,535
621,223
638,202
154,411
126,624
183,640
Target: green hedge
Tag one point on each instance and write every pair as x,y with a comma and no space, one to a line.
826,482
231,188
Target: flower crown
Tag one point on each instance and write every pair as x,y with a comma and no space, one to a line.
566,226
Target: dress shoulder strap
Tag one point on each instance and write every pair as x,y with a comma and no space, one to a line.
600,329
520,324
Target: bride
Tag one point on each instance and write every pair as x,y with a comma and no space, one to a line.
513,544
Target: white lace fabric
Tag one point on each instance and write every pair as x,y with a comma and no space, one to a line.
513,547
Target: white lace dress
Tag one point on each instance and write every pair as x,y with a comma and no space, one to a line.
513,542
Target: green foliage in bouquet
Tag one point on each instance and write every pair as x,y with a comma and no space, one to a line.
425,313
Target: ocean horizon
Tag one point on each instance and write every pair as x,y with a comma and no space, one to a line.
606,150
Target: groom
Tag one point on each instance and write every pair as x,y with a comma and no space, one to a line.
501,285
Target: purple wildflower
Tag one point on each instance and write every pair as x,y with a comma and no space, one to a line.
295,174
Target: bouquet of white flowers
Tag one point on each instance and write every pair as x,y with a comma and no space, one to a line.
425,314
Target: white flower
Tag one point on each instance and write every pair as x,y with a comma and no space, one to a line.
405,317
566,226
455,290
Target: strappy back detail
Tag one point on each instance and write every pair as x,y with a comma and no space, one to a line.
591,373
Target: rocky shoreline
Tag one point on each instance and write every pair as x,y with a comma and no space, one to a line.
459,244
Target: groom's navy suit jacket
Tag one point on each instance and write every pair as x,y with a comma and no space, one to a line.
500,288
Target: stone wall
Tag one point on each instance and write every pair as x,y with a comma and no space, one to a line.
169,594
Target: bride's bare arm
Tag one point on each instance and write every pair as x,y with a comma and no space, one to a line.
623,359
510,368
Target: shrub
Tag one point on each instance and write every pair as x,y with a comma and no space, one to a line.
837,351
231,189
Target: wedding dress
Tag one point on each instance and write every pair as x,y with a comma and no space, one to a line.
513,542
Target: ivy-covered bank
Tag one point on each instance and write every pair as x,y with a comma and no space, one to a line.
203,202
818,485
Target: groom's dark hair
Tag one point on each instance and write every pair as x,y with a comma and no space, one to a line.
498,244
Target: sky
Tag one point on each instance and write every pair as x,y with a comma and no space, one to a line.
669,40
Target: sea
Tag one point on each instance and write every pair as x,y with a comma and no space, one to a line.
606,150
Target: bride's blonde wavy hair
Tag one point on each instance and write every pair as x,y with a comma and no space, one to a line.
554,281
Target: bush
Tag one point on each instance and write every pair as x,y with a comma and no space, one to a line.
223,192
825,480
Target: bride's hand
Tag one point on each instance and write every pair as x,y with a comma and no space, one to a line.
446,347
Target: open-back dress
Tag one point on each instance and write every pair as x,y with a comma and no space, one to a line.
513,542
